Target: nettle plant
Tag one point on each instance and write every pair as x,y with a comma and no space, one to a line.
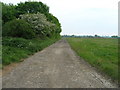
40,24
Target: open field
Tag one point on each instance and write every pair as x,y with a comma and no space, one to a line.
99,52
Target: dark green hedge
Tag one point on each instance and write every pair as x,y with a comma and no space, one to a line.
18,28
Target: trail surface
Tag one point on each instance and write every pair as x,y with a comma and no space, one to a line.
55,67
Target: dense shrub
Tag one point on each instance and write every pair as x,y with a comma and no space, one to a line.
18,28
15,42
8,12
40,24
52,19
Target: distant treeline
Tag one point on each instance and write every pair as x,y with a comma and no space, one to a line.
90,36
31,15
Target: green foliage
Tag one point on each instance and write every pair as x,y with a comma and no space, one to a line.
52,19
31,7
15,49
8,12
18,28
43,22
41,26
96,35
55,21
114,36
101,53
36,13
12,54
29,20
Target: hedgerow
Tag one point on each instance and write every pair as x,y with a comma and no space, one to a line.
18,28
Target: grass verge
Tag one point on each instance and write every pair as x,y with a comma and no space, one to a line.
15,49
99,52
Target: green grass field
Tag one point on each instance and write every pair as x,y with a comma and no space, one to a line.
16,49
101,53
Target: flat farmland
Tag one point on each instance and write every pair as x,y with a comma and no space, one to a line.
101,53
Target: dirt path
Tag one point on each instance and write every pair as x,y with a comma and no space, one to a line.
55,67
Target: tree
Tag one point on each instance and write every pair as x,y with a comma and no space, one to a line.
114,36
34,8
31,7
40,25
35,13
8,12
52,19
96,35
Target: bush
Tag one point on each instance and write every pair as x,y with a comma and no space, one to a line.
8,12
15,42
42,27
18,28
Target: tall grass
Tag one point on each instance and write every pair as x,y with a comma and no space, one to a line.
99,52
15,49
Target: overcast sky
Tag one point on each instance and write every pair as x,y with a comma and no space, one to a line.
84,17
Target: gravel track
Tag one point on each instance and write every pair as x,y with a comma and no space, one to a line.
57,66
